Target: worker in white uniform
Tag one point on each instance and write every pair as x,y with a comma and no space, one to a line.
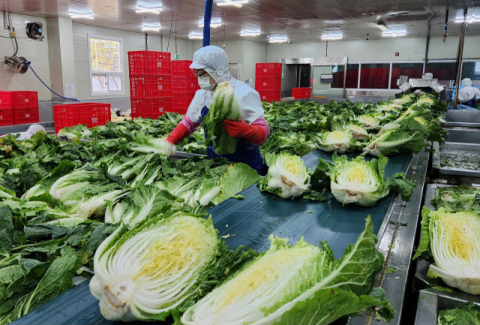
32,130
467,94
210,65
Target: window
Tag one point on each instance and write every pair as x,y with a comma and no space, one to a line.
471,70
374,76
106,65
441,70
411,70
338,74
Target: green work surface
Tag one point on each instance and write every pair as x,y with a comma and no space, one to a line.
251,221
261,213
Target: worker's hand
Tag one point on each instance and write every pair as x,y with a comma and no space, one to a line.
237,129
168,148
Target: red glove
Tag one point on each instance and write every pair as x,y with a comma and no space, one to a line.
178,134
252,133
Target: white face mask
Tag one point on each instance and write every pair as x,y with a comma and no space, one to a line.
204,83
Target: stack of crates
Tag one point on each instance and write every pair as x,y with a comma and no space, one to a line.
268,81
89,114
150,83
302,92
186,84
18,107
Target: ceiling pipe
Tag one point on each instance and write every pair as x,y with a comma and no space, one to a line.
207,17
460,57
428,39
446,26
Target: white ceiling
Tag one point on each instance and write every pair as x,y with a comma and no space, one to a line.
300,20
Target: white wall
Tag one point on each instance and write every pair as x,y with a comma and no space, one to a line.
252,53
35,51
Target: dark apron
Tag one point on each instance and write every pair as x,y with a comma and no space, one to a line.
245,152
470,103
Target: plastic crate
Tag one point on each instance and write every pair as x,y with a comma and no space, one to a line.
184,85
269,95
272,83
181,102
24,99
151,107
149,63
6,99
150,86
25,115
266,70
181,68
303,92
6,116
91,114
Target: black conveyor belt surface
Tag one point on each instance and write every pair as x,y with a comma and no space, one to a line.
251,221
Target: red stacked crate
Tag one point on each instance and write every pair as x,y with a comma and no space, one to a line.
25,107
150,83
90,114
303,92
186,84
6,108
268,81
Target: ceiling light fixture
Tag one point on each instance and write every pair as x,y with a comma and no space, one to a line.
332,36
86,14
214,23
155,27
278,39
394,33
194,35
250,33
381,24
236,3
472,16
143,8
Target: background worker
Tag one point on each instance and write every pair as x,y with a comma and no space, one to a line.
467,94
210,65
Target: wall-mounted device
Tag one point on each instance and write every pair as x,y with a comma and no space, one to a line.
326,78
34,31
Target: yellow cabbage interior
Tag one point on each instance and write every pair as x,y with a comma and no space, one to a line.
460,242
337,135
264,272
292,165
356,174
168,255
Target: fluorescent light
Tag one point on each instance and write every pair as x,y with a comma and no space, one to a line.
472,16
250,32
85,14
146,8
194,35
278,39
395,33
382,26
236,3
214,23
332,36
155,27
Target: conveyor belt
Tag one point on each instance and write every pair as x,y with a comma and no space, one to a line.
251,221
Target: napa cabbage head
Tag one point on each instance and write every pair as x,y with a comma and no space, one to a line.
224,106
287,176
152,270
358,131
339,141
453,241
301,284
369,121
363,182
